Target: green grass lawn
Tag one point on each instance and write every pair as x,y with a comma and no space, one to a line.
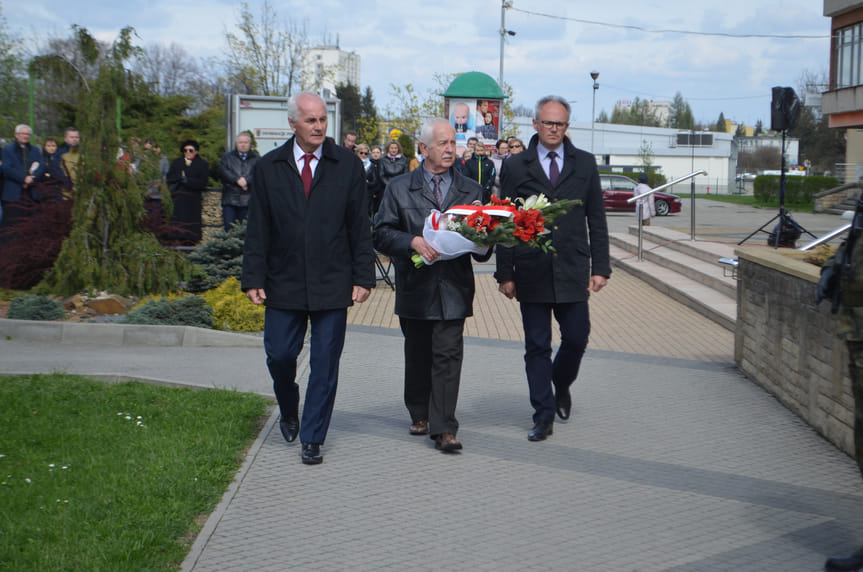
749,200
98,476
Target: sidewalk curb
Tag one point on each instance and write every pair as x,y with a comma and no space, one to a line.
215,517
79,333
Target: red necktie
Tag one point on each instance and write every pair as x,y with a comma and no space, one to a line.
307,172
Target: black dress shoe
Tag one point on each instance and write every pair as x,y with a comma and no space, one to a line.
290,426
564,403
847,564
540,431
312,454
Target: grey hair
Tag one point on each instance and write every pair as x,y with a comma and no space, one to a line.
294,108
549,99
21,127
427,132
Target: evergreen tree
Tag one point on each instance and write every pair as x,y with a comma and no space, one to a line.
107,250
352,109
368,126
720,123
759,127
680,114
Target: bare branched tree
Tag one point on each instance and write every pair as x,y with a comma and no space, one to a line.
168,70
265,55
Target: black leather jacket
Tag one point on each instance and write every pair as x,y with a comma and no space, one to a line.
231,168
391,168
444,290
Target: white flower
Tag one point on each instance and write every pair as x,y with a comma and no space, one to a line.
119,413
139,417
27,480
51,465
128,417
2,455
65,466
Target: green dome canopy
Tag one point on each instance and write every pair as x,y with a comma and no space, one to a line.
474,85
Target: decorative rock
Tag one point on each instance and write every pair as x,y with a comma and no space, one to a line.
111,304
75,302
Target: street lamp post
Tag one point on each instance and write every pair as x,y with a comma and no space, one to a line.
504,4
593,75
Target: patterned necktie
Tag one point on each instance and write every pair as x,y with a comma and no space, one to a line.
438,193
553,169
307,172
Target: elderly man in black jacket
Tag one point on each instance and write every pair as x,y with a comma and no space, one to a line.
235,170
433,301
308,254
558,282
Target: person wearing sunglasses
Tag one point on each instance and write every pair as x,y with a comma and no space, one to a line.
555,283
187,178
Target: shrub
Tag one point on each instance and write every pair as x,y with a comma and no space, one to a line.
188,311
31,245
33,307
798,190
232,310
218,259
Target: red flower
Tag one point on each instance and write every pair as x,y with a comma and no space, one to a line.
500,202
528,224
481,221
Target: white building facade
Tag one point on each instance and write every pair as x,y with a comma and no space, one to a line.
618,148
325,67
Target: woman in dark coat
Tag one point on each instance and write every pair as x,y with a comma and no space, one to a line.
187,178
394,163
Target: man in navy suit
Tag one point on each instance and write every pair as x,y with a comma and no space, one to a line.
308,253
555,283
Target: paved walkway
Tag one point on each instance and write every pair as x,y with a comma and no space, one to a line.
672,460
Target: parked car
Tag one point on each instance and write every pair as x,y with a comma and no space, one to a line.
616,189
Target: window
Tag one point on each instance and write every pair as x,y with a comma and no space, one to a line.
848,56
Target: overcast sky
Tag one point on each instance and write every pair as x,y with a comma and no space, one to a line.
554,50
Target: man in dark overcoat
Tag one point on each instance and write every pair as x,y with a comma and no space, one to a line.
555,283
432,301
308,255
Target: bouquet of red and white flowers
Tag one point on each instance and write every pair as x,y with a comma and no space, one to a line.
467,229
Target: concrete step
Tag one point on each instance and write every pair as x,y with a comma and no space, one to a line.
697,268
703,250
707,301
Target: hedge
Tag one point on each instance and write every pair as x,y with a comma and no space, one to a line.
798,190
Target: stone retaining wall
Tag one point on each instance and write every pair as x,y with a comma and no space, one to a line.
786,344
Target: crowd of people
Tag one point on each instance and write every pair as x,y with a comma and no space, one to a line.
476,163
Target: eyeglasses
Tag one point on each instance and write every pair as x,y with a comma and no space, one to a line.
362,152
557,124
189,150
515,146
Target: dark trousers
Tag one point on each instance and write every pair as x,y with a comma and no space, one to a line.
542,372
284,332
232,214
433,356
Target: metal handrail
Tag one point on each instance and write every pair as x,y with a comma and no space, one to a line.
659,188
826,238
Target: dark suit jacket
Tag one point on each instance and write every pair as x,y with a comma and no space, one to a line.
444,290
15,170
308,253
579,237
